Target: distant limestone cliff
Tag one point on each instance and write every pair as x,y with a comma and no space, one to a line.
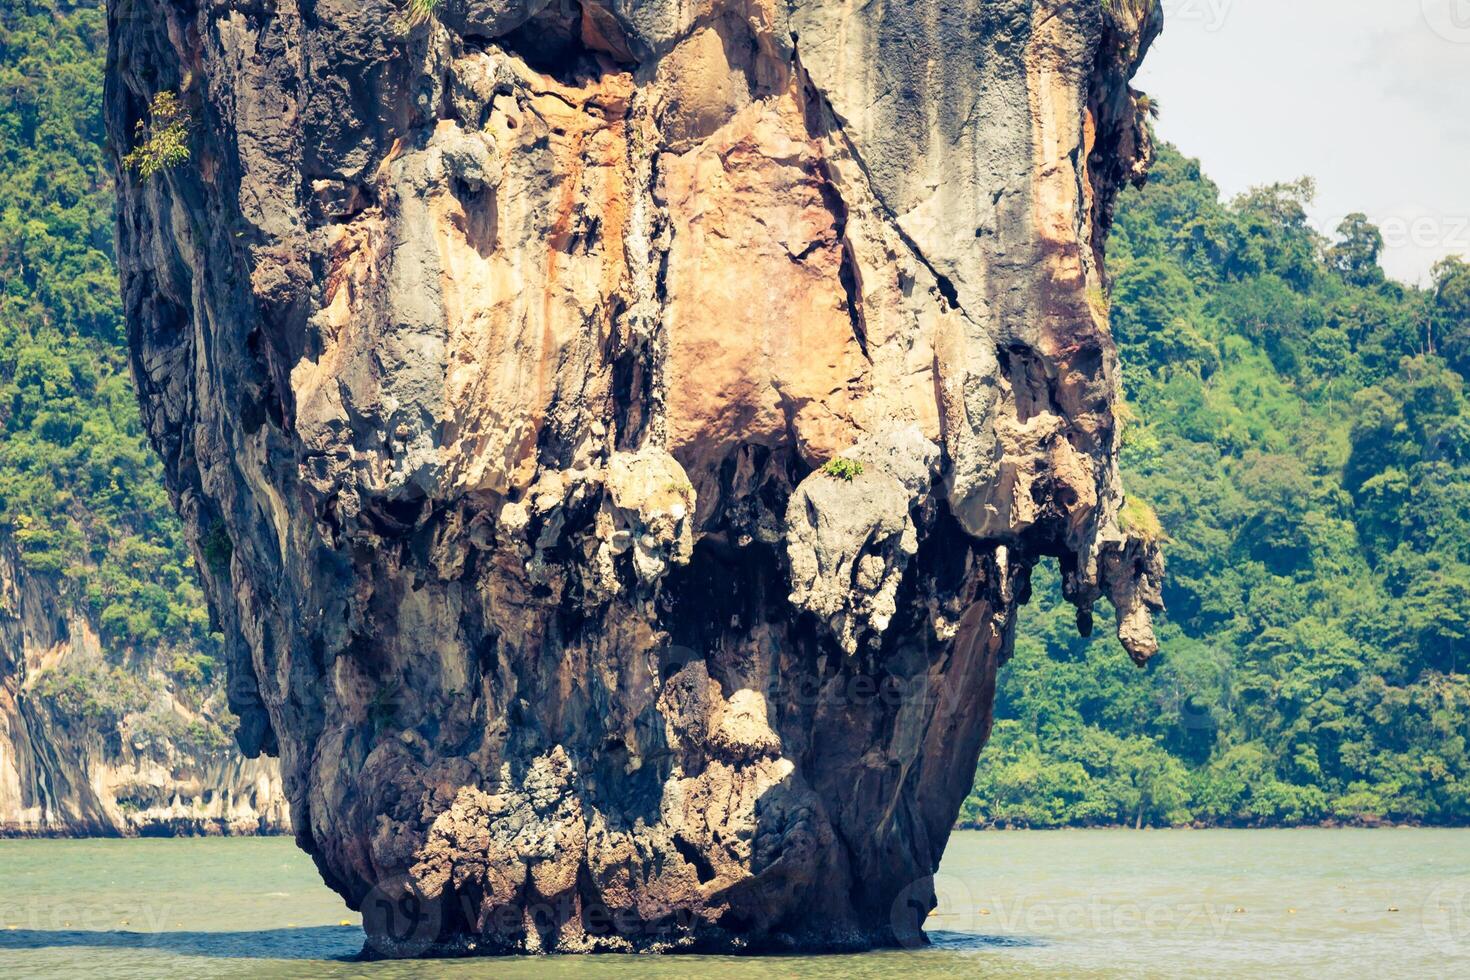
88,751
616,436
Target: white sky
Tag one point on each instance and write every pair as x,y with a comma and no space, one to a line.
1370,97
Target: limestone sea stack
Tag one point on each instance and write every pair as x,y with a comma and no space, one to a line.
616,436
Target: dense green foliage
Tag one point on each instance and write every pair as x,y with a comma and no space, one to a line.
81,493
1305,439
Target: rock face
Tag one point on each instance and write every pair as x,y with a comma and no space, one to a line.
86,753
631,426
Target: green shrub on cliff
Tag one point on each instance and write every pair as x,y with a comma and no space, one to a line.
93,692
422,10
844,469
1137,517
162,139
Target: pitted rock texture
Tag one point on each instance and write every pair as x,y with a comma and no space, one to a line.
509,347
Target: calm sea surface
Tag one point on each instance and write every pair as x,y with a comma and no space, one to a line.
1301,903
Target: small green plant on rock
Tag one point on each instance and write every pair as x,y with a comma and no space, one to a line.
1138,518
218,548
421,10
382,711
844,469
163,140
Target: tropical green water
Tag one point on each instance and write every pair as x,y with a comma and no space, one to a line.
1303,903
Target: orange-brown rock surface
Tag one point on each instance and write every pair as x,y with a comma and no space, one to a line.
508,350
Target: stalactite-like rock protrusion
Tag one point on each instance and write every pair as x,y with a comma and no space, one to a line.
508,349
